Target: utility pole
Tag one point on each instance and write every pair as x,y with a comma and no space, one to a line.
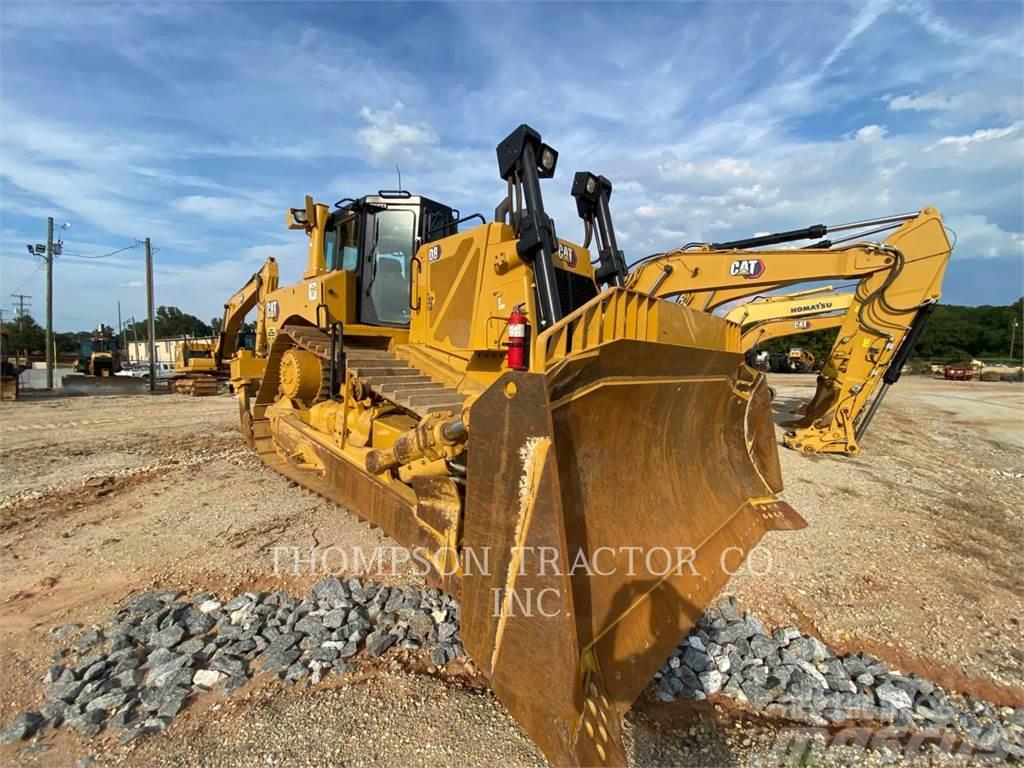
19,299
20,309
120,328
1013,338
49,302
152,321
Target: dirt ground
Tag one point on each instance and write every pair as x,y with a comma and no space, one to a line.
913,552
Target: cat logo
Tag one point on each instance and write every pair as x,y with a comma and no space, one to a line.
272,309
567,254
802,324
747,268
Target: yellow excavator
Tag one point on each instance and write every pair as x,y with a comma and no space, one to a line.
900,281
771,317
581,464
200,365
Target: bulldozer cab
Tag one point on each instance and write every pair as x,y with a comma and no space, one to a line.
377,237
99,355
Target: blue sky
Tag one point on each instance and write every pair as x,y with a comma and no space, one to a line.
197,124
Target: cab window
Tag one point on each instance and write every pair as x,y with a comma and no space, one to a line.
341,245
391,257
348,243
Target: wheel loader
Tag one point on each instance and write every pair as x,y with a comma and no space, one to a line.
581,464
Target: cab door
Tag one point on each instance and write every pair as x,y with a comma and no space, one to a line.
391,243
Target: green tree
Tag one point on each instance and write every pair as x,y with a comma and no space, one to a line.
171,323
25,336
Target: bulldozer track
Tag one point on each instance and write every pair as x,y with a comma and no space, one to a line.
342,482
383,373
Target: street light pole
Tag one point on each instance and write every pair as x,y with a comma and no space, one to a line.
152,323
49,302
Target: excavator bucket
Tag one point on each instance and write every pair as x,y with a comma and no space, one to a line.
611,492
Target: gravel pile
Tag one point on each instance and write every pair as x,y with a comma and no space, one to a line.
786,674
158,650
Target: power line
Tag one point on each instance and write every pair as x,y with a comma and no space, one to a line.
136,244
34,272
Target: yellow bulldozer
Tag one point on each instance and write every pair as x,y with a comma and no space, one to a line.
581,461
490,398
99,355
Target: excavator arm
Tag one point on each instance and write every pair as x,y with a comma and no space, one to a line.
759,333
238,306
770,317
816,301
900,280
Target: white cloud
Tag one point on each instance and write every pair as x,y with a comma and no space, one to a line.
222,210
870,133
926,102
981,135
866,17
981,238
387,137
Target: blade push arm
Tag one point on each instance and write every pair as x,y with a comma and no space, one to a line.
239,305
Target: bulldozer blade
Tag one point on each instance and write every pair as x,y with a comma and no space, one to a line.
80,384
607,503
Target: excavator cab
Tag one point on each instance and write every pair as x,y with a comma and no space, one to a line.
376,237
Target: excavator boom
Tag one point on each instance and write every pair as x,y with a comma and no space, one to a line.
899,280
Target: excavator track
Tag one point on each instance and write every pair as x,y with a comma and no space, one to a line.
194,386
382,373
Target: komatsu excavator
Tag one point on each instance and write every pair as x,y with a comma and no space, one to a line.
200,366
771,317
899,283
581,464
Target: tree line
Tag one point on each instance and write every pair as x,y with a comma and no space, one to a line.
23,335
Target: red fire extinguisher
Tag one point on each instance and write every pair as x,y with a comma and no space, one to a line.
517,339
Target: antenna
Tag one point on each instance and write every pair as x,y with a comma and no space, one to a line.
399,177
